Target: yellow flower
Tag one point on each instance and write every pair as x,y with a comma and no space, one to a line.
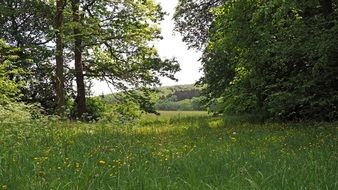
102,162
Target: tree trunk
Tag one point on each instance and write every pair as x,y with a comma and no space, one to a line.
59,83
81,92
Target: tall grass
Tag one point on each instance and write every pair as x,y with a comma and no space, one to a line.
177,152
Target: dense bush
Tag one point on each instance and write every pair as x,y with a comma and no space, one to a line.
96,108
14,112
99,110
125,112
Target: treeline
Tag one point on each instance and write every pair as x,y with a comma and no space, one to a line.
50,51
276,59
193,104
179,98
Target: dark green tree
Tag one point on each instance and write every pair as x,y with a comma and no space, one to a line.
194,20
27,25
275,58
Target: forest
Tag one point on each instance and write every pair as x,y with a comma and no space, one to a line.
264,115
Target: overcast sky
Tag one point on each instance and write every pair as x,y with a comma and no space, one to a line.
171,46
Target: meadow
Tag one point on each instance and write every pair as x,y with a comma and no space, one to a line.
177,150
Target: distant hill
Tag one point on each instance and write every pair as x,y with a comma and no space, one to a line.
179,92
179,97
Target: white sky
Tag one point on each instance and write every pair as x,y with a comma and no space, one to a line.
170,46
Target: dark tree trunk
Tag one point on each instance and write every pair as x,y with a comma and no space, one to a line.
81,91
59,83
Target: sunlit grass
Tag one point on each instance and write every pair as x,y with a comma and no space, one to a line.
171,115
173,151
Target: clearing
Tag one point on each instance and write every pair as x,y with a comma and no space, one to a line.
178,150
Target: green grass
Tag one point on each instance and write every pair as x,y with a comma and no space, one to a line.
173,151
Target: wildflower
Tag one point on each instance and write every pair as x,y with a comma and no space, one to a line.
102,162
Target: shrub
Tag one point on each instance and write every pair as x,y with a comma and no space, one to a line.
122,113
13,112
96,108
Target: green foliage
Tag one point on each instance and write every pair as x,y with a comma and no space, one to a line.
18,112
120,52
96,108
14,113
193,19
9,87
179,98
193,104
27,25
115,46
99,110
275,58
171,98
178,92
127,112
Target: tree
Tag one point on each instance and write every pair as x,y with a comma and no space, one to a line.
113,38
27,25
107,40
194,20
59,57
81,92
274,58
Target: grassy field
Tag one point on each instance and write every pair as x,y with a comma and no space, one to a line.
174,151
